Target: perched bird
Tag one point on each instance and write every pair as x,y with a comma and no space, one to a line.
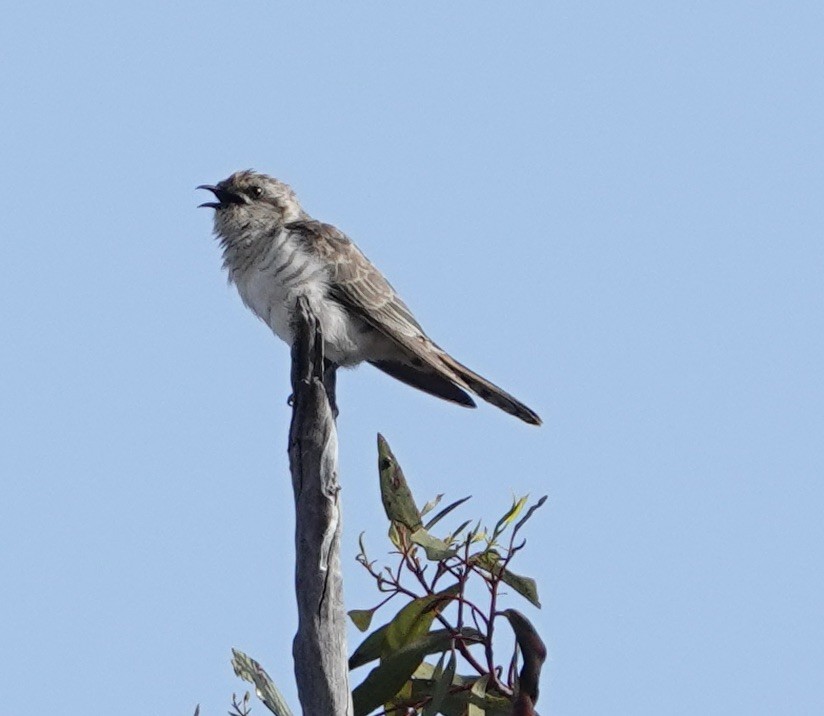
275,252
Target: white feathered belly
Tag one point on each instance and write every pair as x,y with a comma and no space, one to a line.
272,291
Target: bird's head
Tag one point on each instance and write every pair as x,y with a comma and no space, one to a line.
247,199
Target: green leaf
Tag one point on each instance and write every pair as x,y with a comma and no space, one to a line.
457,702
436,549
414,620
361,618
528,514
431,505
438,670
249,670
398,502
439,640
445,511
403,696
474,532
511,514
442,683
436,641
525,586
478,691
425,671
460,529
397,666
411,622
386,679
370,648
394,536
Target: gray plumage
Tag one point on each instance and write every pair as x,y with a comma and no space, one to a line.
274,252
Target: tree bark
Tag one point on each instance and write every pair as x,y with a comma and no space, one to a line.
319,649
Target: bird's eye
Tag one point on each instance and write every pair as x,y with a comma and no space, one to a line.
256,192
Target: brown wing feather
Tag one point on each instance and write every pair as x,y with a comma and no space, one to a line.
491,393
426,379
357,284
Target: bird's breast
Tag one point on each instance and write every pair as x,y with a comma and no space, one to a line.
271,285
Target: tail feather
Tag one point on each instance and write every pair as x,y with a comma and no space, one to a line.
489,392
427,379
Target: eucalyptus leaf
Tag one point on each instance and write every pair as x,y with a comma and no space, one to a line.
457,702
361,618
525,586
415,618
528,514
441,686
431,505
436,641
387,679
445,511
408,624
436,549
479,692
511,514
370,648
460,529
250,670
398,502
397,667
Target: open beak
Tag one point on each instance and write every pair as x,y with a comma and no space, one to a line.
224,197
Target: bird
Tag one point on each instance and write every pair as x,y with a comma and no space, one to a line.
275,253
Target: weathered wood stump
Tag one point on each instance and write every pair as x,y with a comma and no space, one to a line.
319,648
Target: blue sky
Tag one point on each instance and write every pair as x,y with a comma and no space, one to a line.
614,210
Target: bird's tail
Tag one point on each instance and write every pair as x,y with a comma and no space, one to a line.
490,392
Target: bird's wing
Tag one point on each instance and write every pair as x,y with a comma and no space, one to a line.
358,285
